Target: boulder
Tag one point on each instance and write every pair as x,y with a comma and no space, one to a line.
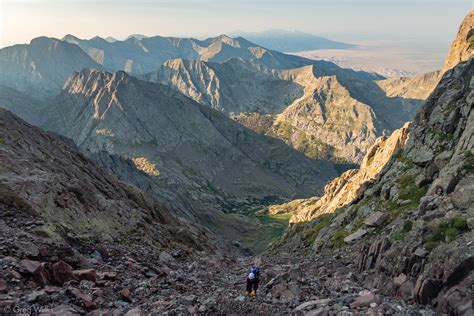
311,304
85,299
86,274
125,294
421,252
364,301
44,274
399,280
406,289
426,289
376,219
356,235
470,223
30,266
62,272
110,275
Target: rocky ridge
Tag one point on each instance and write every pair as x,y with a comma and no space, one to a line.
41,67
462,47
349,186
339,115
322,110
233,86
410,231
139,56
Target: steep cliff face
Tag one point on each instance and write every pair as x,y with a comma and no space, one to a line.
321,110
22,104
349,186
42,66
340,115
410,231
234,86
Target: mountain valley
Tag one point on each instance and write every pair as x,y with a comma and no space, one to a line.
145,176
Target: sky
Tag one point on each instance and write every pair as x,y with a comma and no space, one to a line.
349,20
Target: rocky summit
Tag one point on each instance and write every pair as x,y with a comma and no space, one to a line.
147,176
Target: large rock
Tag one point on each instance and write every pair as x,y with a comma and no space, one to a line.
86,274
376,219
355,236
30,266
364,301
62,272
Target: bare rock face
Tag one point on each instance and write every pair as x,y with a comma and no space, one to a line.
234,86
423,249
462,47
348,187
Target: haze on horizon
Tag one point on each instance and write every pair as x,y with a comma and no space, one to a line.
418,21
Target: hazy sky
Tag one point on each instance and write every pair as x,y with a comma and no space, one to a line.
418,20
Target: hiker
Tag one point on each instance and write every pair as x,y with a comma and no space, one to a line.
253,277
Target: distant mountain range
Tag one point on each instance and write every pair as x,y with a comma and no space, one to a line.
291,41
314,106
208,126
143,54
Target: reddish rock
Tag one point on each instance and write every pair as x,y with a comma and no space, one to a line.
125,294
51,289
108,275
30,266
15,275
44,274
3,286
62,272
98,293
86,274
85,299
44,252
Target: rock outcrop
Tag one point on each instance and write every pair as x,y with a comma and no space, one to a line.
349,186
233,86
462,47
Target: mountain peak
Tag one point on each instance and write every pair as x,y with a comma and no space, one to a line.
462,48
71,39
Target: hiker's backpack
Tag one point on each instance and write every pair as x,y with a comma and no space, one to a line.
255,271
